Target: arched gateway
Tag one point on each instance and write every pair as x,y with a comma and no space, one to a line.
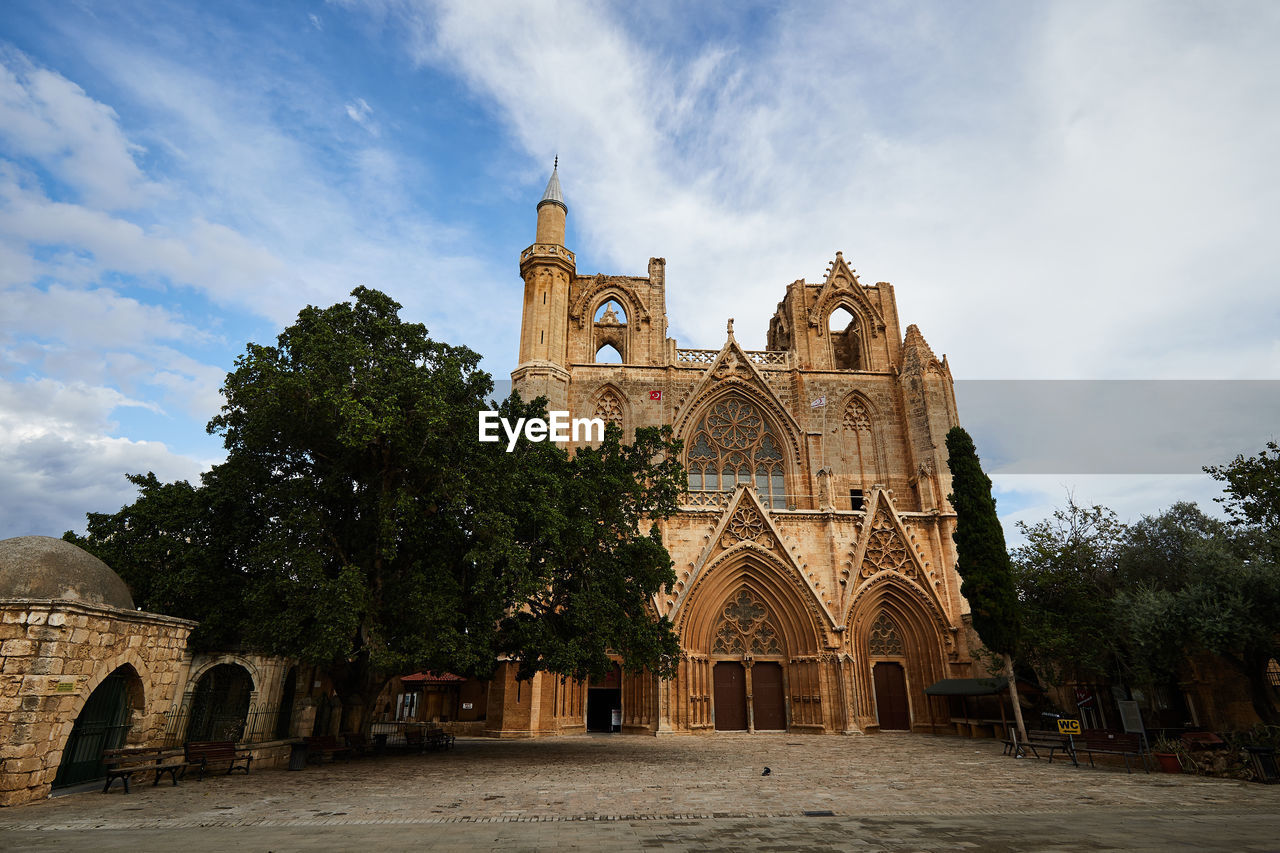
815,584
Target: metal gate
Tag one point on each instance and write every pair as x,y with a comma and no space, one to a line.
102,725
220,706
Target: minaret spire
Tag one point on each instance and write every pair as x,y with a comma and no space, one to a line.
552,195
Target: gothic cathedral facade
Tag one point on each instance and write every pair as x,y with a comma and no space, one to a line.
816,589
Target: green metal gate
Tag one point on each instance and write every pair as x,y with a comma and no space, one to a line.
102,725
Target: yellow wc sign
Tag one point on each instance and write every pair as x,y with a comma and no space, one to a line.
1068,727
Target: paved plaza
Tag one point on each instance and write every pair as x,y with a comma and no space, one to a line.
881,792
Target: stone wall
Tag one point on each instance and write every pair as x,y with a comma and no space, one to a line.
55,653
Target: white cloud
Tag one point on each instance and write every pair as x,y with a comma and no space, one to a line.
359,111
1060,184
46,117
59,462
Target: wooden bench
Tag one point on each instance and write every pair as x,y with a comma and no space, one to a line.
203,753
359,743
437,738
1125,744
122,764
326,747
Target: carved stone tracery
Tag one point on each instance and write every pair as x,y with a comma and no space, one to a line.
886,550
745,628
885,639
609,407
746,526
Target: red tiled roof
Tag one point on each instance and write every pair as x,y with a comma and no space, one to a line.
431,678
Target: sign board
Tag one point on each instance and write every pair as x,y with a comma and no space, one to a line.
1084,698
65,687
466,706
1068,727
1131,716
617,717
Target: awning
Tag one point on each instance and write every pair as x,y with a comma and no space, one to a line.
967,686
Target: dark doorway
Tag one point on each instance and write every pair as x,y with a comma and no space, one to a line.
766,697
731,697
604,703
102,725
891,697
221,704
284,715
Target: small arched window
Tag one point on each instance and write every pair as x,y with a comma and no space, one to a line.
611,313
846,340
734,443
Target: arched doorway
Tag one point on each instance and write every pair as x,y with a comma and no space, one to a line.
604,702
220,706
103,724
891,697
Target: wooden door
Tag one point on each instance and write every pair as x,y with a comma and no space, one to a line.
767,698
730,697
891,697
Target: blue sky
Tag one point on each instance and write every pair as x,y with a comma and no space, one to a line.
1057,191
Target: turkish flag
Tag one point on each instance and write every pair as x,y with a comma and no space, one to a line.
655,395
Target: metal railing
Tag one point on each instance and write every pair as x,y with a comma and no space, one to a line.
257,725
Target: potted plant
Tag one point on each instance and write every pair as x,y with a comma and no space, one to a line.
1166,751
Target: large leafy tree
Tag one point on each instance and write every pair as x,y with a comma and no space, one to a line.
982,559
1065,576
359,524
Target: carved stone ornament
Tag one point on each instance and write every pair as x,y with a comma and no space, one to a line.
746,525
886,550
745,628
884,639
609,408
856,418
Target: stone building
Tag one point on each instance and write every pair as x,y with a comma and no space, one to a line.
816,589
83,671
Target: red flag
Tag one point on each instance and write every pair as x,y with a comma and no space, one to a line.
655,395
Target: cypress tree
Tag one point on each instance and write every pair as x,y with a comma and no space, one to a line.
982,560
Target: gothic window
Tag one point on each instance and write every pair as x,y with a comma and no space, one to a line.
885,549
846,342
608,354
859,442
609,408
745,628
734,443
610,313
884,639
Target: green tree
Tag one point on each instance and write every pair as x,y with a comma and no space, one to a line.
359,524
1065,577
982,559
1252,496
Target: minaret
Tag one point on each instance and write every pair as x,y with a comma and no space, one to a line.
547,268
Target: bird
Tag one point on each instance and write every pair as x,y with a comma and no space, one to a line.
766,772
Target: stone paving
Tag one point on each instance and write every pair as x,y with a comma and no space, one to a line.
706,793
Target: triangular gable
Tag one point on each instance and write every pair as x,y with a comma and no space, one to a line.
744,525
733,368
842,282
885,544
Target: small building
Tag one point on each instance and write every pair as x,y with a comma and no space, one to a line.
83,670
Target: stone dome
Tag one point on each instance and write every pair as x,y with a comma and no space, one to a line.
43,567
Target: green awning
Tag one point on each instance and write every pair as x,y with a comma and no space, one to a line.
967,686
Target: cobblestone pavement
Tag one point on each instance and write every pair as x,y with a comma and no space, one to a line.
890,792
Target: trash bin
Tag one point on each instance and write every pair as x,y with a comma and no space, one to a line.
298,756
